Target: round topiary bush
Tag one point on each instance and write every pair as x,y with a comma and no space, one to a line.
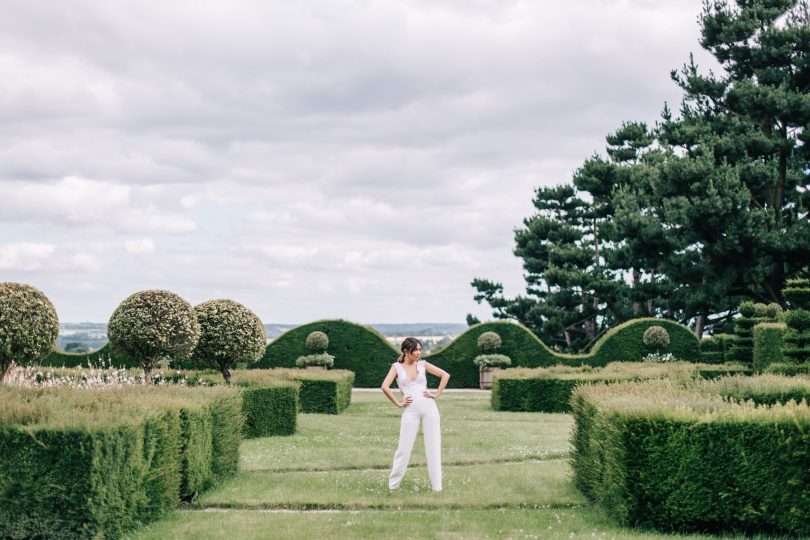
747,309
229,333
656,337
772,311
153,325
317,342
29,325
489,341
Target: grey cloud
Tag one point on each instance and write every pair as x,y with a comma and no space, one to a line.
298,154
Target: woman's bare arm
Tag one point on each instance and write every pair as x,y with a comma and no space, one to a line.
439,372
386,388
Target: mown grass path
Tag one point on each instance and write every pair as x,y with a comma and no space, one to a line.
505,476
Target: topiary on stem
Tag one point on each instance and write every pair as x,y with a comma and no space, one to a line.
152,325
488,343
29,325
317,343
229,333
656,337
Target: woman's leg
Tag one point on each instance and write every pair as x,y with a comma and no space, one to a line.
431,428
407,435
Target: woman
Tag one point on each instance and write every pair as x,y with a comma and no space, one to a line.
419,405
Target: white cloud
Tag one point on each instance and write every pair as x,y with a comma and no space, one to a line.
76,201
139,247
321,158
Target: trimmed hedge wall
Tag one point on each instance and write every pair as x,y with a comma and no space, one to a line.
549,389
270,404
768,339
684,458
269,408
621,343
788,369
717,349
356,348
100,463
321,391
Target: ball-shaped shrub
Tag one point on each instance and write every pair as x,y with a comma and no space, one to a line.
317,342
656,337
229,333
489,341
152,325
748,309
28,325
773,311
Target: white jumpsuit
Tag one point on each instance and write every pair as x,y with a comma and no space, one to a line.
424,409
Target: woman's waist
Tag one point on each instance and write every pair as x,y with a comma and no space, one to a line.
414,391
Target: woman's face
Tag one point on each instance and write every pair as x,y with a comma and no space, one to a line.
414,354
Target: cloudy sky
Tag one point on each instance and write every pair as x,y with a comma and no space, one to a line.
310,159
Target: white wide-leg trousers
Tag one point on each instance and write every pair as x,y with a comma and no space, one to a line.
424,410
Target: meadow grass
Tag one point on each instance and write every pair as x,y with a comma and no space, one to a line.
506,475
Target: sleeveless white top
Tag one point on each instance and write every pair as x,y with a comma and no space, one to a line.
408,386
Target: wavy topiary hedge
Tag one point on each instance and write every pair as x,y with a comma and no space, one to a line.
622,343
355,347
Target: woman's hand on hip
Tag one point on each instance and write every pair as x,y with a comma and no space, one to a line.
408,401
430,395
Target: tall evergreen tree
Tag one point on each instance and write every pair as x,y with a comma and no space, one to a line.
742,139
683,220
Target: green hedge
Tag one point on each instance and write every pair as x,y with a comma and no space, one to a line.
621,343
269,408
684,457
270,404
549,389
716,349
768,338
322,391
356,348
797,339
788,369
82,464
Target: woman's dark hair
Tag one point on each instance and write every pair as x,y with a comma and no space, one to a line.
409,344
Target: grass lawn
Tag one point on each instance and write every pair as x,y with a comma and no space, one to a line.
505,476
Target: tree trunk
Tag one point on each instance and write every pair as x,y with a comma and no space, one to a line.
227,374
3,370
147,371
700,321
636,303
